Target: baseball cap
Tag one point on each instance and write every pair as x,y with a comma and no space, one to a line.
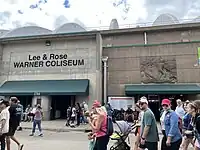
166,102
14,99
143,99
96,104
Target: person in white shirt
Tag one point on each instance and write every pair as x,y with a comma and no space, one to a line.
4,122
179,109
73,116
85,106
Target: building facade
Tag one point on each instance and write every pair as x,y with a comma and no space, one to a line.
148,61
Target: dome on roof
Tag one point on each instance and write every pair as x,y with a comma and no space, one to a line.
70,28
165,19
114,24
27,31
2,32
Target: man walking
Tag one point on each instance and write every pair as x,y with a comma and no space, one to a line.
13,124
4,122
20,114
149,132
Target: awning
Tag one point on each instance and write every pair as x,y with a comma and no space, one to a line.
46,87
162,89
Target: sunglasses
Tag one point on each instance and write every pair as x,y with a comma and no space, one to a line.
165,105
141,104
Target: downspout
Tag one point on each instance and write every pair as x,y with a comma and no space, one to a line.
145,38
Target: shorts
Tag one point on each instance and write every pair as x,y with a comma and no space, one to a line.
11,131
197,143
137,131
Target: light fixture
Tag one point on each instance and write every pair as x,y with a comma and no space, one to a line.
48,43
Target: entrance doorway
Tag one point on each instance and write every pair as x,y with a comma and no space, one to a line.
59,105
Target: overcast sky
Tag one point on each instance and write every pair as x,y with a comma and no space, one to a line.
91,13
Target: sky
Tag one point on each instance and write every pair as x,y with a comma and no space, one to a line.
51,14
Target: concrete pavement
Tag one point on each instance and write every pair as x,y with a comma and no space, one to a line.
56,125
59,126
58,140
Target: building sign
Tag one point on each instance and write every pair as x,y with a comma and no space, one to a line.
122,102
48,60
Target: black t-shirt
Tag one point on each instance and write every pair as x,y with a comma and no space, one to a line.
13,115
197,122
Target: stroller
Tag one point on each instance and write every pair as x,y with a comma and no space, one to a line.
121,136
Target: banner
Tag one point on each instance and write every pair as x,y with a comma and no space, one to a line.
199,55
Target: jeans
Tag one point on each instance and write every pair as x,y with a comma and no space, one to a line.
37,123
82,119
3,142
78,120
175,145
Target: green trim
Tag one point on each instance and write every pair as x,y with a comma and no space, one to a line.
146,45
46,87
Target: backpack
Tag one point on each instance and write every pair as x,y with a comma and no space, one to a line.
196,134
110,128
180,124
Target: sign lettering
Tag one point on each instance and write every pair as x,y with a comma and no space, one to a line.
48,60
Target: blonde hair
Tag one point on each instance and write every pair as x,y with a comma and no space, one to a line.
100,110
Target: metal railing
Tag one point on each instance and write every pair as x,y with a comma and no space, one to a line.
146,24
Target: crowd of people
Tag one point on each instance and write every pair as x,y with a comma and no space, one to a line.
11,115
10,118
77,114
180,127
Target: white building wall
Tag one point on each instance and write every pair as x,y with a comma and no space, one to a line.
75,49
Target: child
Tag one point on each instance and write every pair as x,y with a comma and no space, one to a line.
91,135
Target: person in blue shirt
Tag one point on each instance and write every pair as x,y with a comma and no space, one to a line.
172,131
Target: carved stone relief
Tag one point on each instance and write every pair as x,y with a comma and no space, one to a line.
158,69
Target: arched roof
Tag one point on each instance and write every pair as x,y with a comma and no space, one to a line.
27,31
2,32
70,28
165,19
114,24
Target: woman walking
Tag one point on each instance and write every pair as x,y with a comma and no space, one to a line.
99,127
187,129
194,110
172,133
37,120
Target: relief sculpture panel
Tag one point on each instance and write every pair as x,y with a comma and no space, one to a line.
159,69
